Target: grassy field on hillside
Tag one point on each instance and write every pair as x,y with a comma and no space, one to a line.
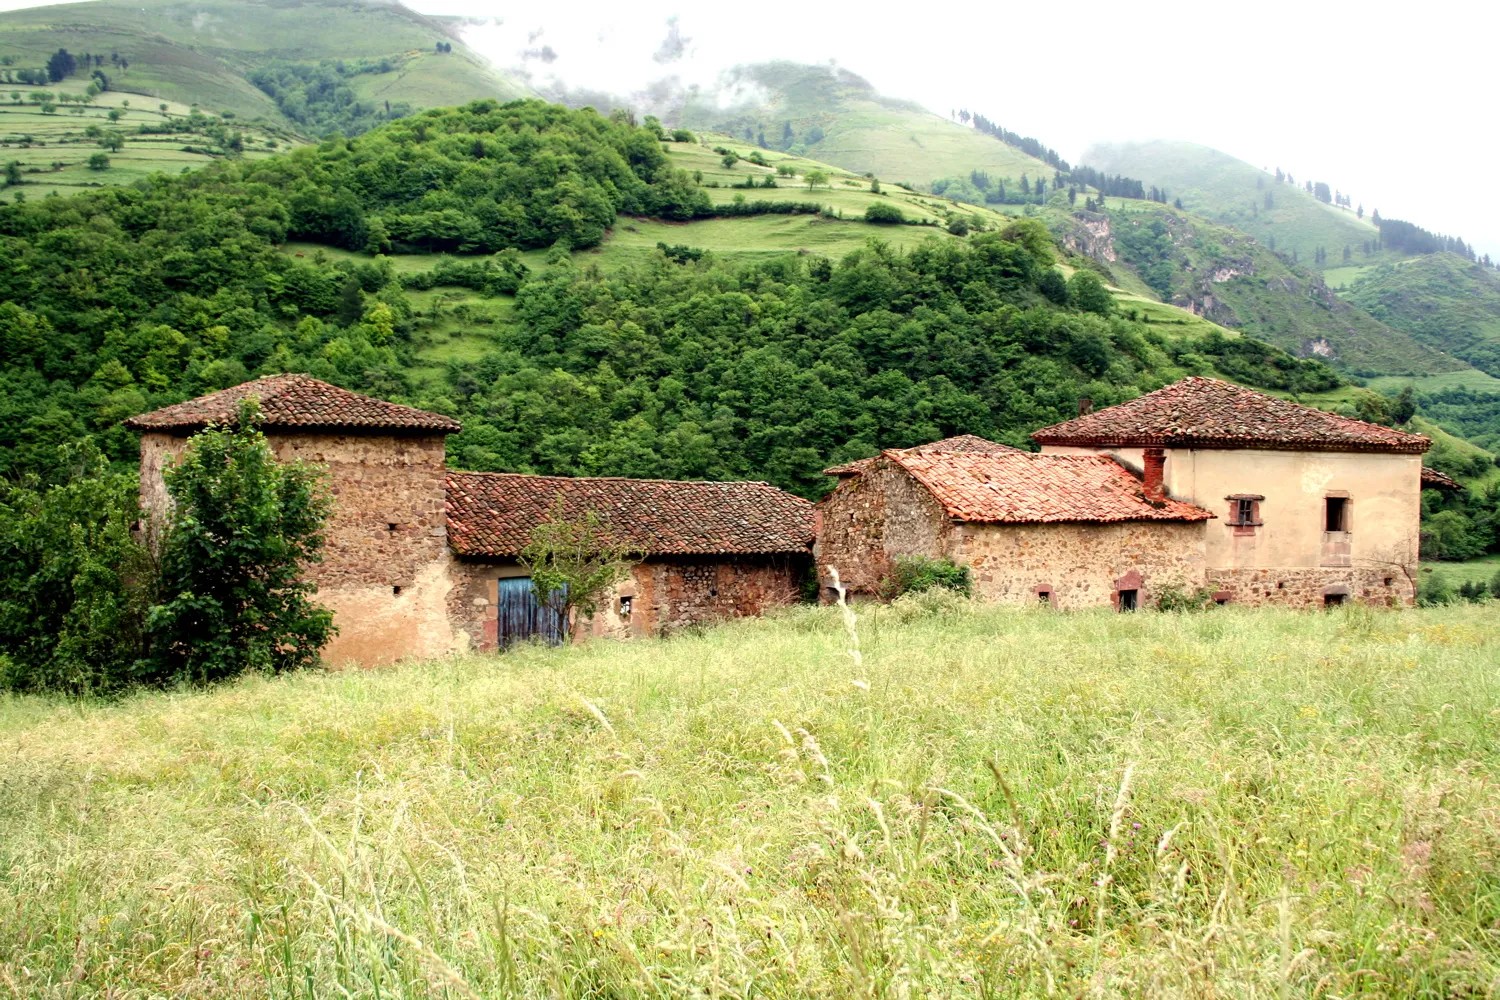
199,52
992,803
53,149
861,130
1481,570
1219,187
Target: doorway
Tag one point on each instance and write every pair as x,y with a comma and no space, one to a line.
520,617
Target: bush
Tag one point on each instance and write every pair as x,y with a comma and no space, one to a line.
1177,599
1473,591
74,584
683,135
884,214
243,530
99,161
958,226
1434,591
1495,585
915,574
1087,292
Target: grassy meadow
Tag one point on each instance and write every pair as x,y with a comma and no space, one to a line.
985,803
54,149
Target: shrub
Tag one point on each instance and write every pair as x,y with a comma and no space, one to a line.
958,226
1434,591
74,584
1087,292
1495,585
243,530
915,574
683,135
1176,599
884,214
1473,591
99,161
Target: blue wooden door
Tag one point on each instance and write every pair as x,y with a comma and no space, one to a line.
522,618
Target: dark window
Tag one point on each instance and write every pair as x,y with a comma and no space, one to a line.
1388,580
390,526
395,591
1045,596
1128,599
1244,512
625,607
1333,600
1336,514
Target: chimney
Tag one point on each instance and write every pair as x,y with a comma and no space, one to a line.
1085,406
1155,461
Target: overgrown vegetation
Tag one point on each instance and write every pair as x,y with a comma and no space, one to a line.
318,96
916,574
573,562
93,600
995,802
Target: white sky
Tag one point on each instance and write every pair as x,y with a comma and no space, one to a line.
1395,104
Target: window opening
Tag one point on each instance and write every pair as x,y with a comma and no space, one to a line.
390,526
1389,580
395,591
625,603
1244,512
1333,600
1128,599
1336,514
1044,596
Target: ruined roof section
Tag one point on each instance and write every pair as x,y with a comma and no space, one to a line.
1208,413
963,444
1432,479
1021,488
295,401
492,514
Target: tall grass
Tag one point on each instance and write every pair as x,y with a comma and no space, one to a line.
982,803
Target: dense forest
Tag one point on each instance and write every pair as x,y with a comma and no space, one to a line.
319,98
129,298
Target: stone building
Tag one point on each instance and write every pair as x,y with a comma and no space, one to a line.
1314,508
406,577
1074,531
708,551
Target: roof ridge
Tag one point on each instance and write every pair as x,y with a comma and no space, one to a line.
616,479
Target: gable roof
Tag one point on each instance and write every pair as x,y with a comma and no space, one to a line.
1209,413
1022,488
492,514
294,401
960,444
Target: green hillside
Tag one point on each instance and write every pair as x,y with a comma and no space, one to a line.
561,335
203,53
1231,192
839,118
1219,273
1440,299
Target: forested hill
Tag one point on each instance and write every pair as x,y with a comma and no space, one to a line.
129,298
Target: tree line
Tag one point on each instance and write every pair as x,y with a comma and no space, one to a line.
1031,147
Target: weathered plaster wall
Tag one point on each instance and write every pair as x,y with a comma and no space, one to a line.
664,593
385,560
1083,565
871,519
1385,496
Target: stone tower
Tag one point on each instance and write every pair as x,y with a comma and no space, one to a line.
385,570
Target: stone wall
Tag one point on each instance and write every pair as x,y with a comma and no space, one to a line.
1312,588
385,559
664,594
1081,565
872,518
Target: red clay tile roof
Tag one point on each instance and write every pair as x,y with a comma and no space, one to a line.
1432,479
969,444
294,401
492,514
1207,413
1022,488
